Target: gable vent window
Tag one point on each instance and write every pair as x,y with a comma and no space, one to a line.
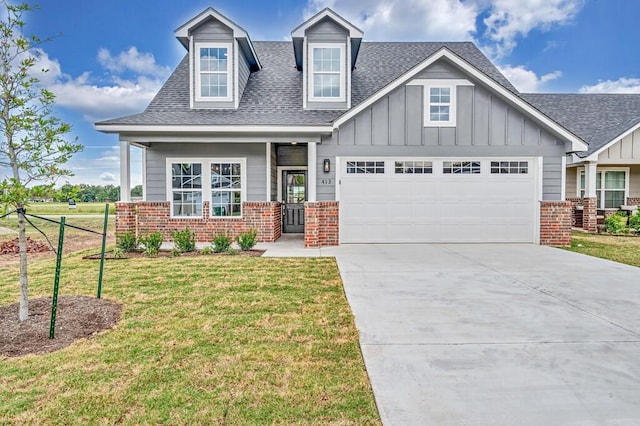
327,79
214,73
439,104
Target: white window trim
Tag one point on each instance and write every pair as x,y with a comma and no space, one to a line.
627,174
451,84
230,78
343,79
206,183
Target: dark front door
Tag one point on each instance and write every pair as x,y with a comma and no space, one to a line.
294,194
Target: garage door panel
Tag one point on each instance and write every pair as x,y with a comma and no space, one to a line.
438,208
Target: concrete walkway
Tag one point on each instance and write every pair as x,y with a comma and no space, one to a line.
496,334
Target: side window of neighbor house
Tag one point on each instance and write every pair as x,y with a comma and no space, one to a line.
213,64
186,188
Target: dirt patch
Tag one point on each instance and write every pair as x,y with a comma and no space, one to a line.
33,246
77,317
139,254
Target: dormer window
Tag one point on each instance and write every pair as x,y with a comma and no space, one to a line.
327,72
213,77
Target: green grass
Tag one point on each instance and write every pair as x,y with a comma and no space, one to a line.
60,209
616,248
202,340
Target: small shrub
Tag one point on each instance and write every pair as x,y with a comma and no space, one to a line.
175,252
151,243
184,241
118,253
617,223
206,250
247,240
221,243
127,242
634,221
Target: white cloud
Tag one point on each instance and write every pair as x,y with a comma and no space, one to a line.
132,60
622,85
107,177
133,80
526,80
443,20
403,20
510,19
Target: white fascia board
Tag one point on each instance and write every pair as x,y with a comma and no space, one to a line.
594,156
576,143
144,138
137,128
354,32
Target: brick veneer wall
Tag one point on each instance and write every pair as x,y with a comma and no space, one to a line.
555,223
633,201
148,216
321,223
590,214
576,219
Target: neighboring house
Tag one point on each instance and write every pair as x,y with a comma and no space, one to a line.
345,141
606,177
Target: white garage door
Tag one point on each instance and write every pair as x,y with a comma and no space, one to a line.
438,200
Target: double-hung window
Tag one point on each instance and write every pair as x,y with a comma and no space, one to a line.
213,72
611,188
219,181
327,72
440,103
186,189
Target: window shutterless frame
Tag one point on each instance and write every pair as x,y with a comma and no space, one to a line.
327,72
230,186
213,65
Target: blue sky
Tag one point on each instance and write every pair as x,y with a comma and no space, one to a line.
108,58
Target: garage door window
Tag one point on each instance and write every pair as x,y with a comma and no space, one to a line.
461,167
509,167
414,167
365,167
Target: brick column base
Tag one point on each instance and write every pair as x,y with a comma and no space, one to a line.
555,223
125,218
321,225
590,214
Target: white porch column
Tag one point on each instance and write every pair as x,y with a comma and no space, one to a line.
312,172
268,177
590,179
125,171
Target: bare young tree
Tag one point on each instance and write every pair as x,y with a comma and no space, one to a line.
32,144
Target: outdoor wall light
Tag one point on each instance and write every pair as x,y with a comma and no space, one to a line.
326,165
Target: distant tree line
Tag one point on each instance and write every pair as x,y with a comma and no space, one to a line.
82,193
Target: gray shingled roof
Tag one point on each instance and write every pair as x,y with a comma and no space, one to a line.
595,118
273,95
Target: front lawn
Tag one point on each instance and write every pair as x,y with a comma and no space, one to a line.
202,340
619,249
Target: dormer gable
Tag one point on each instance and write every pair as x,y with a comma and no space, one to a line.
221,58
326,48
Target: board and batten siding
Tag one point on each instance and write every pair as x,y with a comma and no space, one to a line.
625,151
486,127
157,153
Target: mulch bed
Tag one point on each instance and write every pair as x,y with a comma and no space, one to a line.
33,246
164,253
77,317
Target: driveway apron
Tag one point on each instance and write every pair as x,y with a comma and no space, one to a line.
496,334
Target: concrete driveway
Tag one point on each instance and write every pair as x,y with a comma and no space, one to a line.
496,334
